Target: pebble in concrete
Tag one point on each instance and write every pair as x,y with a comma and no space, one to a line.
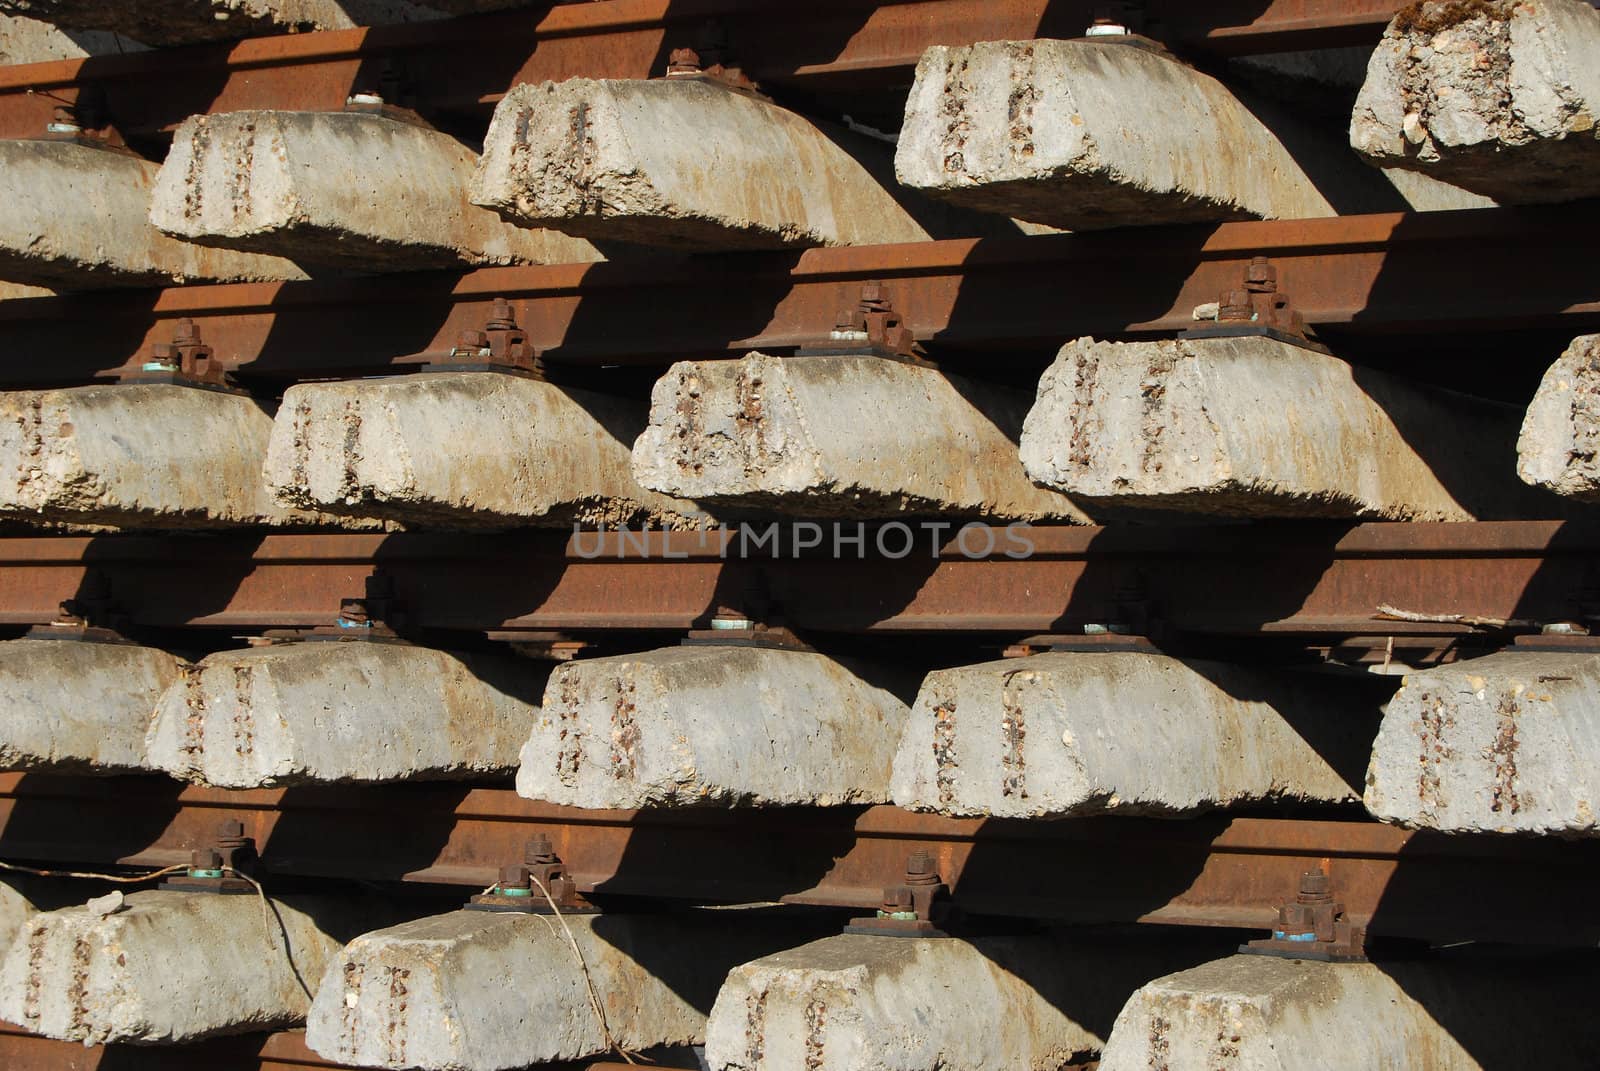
1062,734
178,22
1083,135
839,436
479,991
166,967
343,711
711,724
145,455
346,189
1559,449
1499,97
1257,427
685,164
1505,744
1258,1013
77,217
72,706
462,448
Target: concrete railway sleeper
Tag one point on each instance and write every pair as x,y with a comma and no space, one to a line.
431,992
465,63
532,536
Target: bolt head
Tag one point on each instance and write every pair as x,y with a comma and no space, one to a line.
539,849
1314,883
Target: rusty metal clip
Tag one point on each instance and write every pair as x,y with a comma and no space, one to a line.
519,887
872,327
501,346
85,121
918,906
711,60
373,618
1313,926
1257,308
88,617
748,618
1130,621
209,866
731,627
186,361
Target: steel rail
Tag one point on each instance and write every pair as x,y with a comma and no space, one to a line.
1218,870
284,1050
464,65
1293,579
1388,273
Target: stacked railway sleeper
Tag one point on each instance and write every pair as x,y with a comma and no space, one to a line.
948,535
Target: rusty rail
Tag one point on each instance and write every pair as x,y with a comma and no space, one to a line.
283,1051
1302,579
460,67
1220,870
1352,275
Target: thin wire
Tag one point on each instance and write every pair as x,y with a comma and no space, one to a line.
269,915
594,999
120,880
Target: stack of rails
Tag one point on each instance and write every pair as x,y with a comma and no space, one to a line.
925,531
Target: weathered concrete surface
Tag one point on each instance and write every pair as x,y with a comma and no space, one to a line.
853,1003
455,449
839,436
25,40
177,22
1084,135
343,711
168,967
474,991
145,456
1424,193
1497,96
1321,81
711,725
685,164
1257,427
1559,449
15,910
1506,744
1061,734
79,707
994,1003
75,217
339,188
1257,1013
